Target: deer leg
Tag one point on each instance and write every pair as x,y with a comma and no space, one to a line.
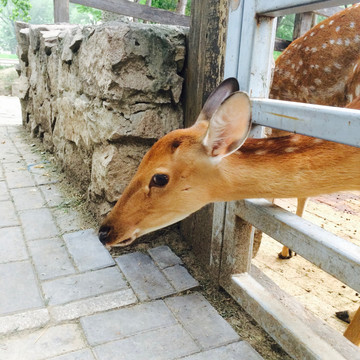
286,253
352,332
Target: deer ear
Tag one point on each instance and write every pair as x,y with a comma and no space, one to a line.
226,88
229,126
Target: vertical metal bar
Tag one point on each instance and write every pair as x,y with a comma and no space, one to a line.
61,11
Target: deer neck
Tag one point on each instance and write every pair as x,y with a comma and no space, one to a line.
291,166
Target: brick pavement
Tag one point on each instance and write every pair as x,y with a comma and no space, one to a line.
63,297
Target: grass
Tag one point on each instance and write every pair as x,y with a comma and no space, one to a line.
8,56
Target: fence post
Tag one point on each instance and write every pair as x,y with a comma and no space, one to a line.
61,11
204,71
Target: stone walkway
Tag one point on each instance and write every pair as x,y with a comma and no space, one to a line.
63,297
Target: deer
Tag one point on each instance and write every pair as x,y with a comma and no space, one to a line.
215,160
321,67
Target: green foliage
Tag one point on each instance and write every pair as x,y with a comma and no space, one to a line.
86,14
286,27
20,9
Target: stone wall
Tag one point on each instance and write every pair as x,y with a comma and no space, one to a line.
100,96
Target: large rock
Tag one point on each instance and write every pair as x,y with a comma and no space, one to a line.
99,96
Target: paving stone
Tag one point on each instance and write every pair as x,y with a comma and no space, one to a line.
180,278
50,258
12,245
92,305
238,351
192,310
52,195
164,257
8,215
18,176
87,251
38,224
145,278
9,153
117,324
27,198
19,289
41,173
42,344
4,194
23,321
162,344
68,220
80,286
85,354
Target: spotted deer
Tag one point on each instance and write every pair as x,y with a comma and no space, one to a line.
321,67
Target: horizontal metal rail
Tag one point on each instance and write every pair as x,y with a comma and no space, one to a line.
325,122
329,252
276,8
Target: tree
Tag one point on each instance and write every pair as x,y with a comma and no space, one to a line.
19,9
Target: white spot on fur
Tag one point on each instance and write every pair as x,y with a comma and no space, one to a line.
312,88
332,41
305,72
354,69
260,152
327,69
317,81
318,141
352,25
357,90
307,48
322,26
337,29
296,138
305,38
349,98
290,149
324,45
347,42
293,66
337,65
357,38
314,49
316,66
339,41
300,62
331,22
312,34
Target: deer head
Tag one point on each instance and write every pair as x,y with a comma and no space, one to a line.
170,182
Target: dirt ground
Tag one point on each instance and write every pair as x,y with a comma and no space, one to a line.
318,291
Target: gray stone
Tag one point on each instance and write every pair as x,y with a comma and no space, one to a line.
192,310
27,198
180,278
162,344
50,258
24,321
92,305
52,195
8,215
12,245
145,278
19,177
38,224
87,251
76,287
76,355
164,257
68,220
238,351
4,194
19,291
117,324
42,344
113,166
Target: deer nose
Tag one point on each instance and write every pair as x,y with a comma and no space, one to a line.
104,232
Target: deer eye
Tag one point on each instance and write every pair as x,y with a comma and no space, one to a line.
159,180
